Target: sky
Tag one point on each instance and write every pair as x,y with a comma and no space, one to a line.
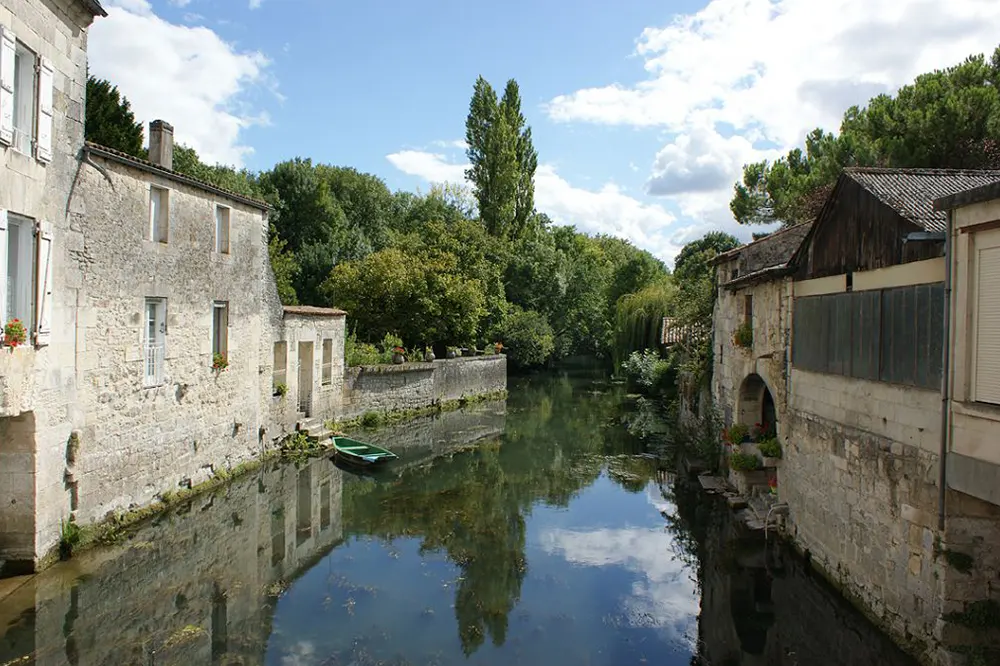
643,112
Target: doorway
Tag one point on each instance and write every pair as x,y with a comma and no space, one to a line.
305,377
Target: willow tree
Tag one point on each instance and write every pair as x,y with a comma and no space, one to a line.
639,318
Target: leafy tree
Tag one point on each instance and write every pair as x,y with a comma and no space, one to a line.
284,266
502,159
109,119
240,181
691,262
528,338
945,119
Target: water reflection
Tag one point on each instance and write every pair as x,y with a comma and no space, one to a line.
540,531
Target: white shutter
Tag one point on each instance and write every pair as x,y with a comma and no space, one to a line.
8,48
3,267
987,356
43,133
43,293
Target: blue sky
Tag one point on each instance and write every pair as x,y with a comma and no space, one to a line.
642,112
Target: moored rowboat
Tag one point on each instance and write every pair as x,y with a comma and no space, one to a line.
359,453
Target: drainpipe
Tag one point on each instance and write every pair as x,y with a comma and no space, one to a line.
945,370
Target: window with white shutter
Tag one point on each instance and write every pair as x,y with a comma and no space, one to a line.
986,346
43,296
43,128
8,48
24,98
19,269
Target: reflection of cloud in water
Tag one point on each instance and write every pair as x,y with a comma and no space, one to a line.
303,653
665,596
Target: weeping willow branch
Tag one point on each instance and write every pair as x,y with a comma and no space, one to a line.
639,318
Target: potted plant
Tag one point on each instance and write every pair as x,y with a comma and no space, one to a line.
429,354
14,333
397,355
219,362
281,390
468,351
498,347
771,450
738,433
451,352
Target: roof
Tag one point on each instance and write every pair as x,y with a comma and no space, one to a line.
778,246
312,311
95,7
969,197
151,167
912,192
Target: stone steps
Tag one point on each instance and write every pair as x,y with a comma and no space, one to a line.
315,429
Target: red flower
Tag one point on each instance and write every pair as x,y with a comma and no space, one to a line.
773,483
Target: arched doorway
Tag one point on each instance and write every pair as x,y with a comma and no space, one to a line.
756,404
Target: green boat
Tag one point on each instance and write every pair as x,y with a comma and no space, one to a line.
359,453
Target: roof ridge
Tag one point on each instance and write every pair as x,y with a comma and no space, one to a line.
933,171
177,174
769,236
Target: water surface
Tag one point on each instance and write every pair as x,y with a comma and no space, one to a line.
542,530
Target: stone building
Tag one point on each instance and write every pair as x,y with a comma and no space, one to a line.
43,80
852,361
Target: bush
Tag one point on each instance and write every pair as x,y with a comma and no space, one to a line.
371,420
389,343
649,373
745,462
281,390
528,338
360,353
743,336
737,433
770,448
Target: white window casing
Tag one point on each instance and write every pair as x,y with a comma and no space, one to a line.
159,214
154,342
222,220
43,296
8,50
3,267
986,364
327,376
25,98
43,128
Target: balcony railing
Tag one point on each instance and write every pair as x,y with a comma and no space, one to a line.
153,365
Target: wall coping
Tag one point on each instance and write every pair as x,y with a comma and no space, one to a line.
421,366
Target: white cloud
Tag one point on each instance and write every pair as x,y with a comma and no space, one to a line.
254,4
180,3
771,70
607,210
664,594
188,76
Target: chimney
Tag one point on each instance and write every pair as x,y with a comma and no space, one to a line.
161,144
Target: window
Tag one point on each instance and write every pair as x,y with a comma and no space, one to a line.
154,341
891,335
24,98
222,230
327,362
19,260
220,329
748,309
986,348
26,88
159,214
280,375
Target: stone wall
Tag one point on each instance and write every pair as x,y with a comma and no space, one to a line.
42,381
384,388
137,441
323,394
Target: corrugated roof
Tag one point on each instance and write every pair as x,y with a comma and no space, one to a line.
912,192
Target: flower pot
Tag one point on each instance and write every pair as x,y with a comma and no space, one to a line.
772,462
450,354
468,352
429,356
398,359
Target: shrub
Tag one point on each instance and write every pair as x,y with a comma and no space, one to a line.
371,420
281,389
743,336
745,462
390,343
737,433
360,353
770,448
69,538
528,338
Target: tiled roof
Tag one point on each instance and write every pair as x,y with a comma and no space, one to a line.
312,311
912,192
775,249
152,167
95,7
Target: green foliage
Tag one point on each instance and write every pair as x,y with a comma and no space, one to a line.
388,346
745,462
69,537
770,448
371,420
945,119
109,120
281,389
528,338
284,266
639,317
219,362
502,159
743,335
737,433
360,353
648,372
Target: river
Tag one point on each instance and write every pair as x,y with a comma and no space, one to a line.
537,531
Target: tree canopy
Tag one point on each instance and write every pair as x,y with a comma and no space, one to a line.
947,118
109,120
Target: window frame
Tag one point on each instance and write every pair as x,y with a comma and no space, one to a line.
222,244
279,376
25,97
27,228
981,242
159,220
220,328
326,371
155,348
